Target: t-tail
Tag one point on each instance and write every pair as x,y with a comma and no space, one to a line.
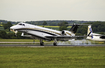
90,32
74,28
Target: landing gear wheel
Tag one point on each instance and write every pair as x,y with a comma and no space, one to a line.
42,43
55,44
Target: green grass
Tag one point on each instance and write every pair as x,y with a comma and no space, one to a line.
26,41
17,40
56,26
52,57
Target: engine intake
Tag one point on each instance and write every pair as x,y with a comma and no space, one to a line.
63,32
102,37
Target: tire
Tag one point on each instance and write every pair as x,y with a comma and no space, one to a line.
55,44
42,44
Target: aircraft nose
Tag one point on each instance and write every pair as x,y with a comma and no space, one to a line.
11,27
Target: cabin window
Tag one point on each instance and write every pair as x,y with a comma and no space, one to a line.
22,24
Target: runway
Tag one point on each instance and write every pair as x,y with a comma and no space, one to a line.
32,45
76,43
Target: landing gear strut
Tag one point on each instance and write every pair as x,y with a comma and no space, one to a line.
55,42
41,43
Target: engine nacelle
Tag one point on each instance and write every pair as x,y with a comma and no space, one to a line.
67,33
63,32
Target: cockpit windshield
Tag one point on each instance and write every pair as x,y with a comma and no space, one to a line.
21,24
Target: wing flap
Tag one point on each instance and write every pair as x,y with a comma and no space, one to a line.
66,37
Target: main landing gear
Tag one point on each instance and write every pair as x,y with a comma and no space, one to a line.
55,42
41,42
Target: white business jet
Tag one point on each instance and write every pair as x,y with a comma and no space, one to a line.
94,36
42,33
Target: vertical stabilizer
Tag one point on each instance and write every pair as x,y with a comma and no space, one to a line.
74,28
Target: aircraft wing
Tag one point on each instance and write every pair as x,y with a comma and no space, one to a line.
65,37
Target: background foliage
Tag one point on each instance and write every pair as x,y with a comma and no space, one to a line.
97,26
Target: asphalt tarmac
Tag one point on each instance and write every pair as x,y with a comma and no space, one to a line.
32,45
71,43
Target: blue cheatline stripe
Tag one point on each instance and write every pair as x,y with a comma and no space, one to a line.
91,32
90,29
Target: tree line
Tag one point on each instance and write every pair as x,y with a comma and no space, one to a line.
7,34
97,27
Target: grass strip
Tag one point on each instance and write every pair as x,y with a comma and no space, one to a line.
53,57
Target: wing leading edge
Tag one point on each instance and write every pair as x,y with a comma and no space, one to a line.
65,37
